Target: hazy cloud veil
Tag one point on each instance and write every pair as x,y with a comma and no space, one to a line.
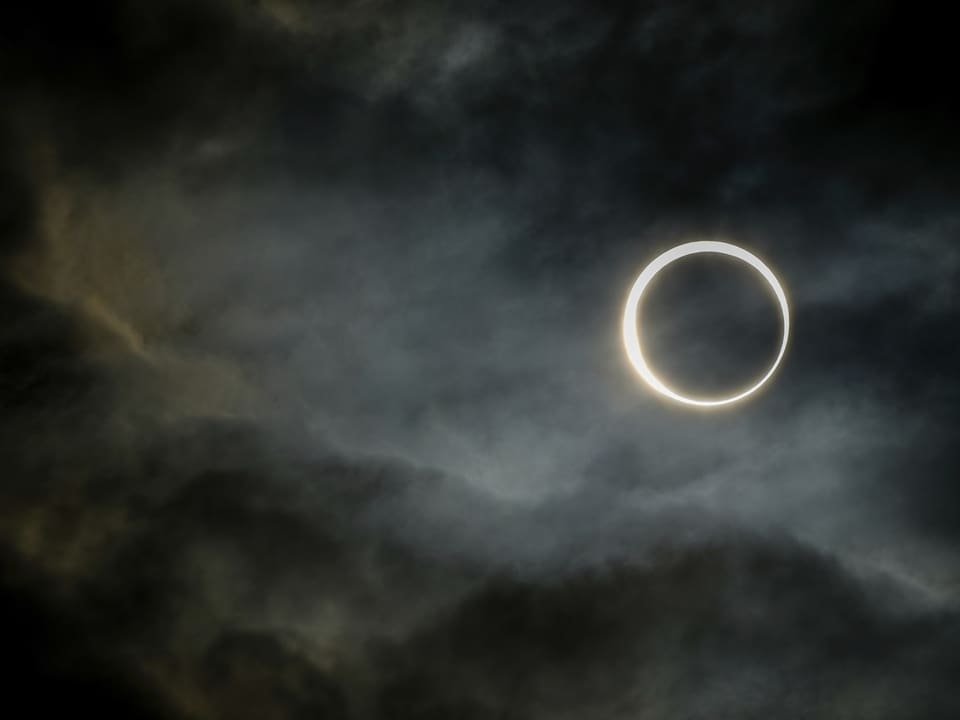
313,403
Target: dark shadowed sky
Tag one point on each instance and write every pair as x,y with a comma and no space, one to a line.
313,402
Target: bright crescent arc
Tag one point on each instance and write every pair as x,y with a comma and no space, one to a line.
631,335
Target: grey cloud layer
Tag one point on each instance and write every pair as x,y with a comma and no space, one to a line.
252,250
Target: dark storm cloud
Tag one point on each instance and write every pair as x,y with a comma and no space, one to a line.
304,616
251,249
734,631
249,581
107,83
50,666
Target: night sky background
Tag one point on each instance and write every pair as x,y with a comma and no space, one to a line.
313,402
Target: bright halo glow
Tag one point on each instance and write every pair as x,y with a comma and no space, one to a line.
631,334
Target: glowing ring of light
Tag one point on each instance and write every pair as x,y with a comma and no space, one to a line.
631,335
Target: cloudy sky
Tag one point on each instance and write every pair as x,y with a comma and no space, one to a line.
313,402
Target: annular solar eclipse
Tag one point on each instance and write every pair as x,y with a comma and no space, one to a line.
631,330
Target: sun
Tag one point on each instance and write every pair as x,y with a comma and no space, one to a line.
631,333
